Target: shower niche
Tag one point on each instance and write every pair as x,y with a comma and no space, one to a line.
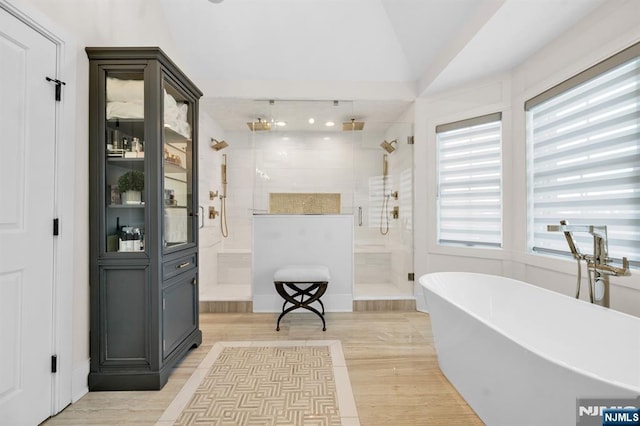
143,217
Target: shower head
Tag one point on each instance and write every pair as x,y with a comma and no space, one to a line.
218,145
353,125
259,125
387,146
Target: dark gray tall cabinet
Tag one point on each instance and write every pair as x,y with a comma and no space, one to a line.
143,123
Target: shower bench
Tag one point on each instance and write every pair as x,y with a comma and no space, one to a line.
300,281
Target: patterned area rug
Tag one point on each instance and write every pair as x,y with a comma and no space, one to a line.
267,383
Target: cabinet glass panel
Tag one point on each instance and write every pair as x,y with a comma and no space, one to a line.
177,168
124,168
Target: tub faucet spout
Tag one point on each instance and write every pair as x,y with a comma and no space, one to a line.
598,267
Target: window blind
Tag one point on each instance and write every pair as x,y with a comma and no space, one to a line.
470,181
583,146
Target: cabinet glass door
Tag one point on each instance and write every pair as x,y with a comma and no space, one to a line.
124,162
177,168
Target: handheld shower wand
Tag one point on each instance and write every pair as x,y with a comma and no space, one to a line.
384,224
224,229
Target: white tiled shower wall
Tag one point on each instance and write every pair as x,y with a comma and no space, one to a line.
265,162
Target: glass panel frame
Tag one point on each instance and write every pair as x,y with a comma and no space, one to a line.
124,167
178,207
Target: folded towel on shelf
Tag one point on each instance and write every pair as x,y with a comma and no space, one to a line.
119,90
175,115
125,99
125,110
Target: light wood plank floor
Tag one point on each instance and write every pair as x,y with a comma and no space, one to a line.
390,357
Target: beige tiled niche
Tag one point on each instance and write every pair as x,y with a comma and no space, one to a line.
304,203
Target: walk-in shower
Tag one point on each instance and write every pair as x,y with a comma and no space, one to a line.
306,156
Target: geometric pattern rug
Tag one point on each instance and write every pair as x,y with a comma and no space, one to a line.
267,383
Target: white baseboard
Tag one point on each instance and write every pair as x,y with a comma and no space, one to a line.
80,381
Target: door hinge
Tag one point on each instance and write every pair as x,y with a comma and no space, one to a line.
411,276
410,140
54,363
56,226
58,84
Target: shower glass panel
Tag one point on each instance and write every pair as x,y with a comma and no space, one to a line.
383,196
305,166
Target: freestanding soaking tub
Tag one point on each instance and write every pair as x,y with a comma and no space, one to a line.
523,355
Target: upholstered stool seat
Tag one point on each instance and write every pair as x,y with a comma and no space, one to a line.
293,281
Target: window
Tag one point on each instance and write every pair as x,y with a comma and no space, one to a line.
583,146
470,182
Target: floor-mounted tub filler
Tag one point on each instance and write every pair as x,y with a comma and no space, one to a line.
523,355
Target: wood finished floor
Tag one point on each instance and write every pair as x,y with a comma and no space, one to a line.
390,357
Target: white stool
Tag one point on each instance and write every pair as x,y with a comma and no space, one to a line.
290,277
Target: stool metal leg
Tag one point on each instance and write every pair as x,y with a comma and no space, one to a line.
315,291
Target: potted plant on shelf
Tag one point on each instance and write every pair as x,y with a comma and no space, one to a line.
131,185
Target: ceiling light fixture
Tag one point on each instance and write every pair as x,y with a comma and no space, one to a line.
281,123
329,124
312,120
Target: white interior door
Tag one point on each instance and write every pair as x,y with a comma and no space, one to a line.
27,147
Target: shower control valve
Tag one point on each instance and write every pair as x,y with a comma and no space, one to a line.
396,212
213,212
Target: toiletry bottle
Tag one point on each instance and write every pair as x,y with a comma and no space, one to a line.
136,239
135,145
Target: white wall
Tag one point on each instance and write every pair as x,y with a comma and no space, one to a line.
607,31
209,179
280,240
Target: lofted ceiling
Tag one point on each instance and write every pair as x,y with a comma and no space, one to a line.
381,54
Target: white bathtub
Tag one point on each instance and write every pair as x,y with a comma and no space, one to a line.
522,355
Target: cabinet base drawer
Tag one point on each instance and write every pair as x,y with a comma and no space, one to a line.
173,267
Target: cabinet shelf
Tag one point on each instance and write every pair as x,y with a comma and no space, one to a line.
123,160
171,137
170,167
126,206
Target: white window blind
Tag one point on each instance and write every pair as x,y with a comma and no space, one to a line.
583,143
470,182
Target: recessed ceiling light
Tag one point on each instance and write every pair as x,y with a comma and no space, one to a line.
281,123
329,124
312,120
